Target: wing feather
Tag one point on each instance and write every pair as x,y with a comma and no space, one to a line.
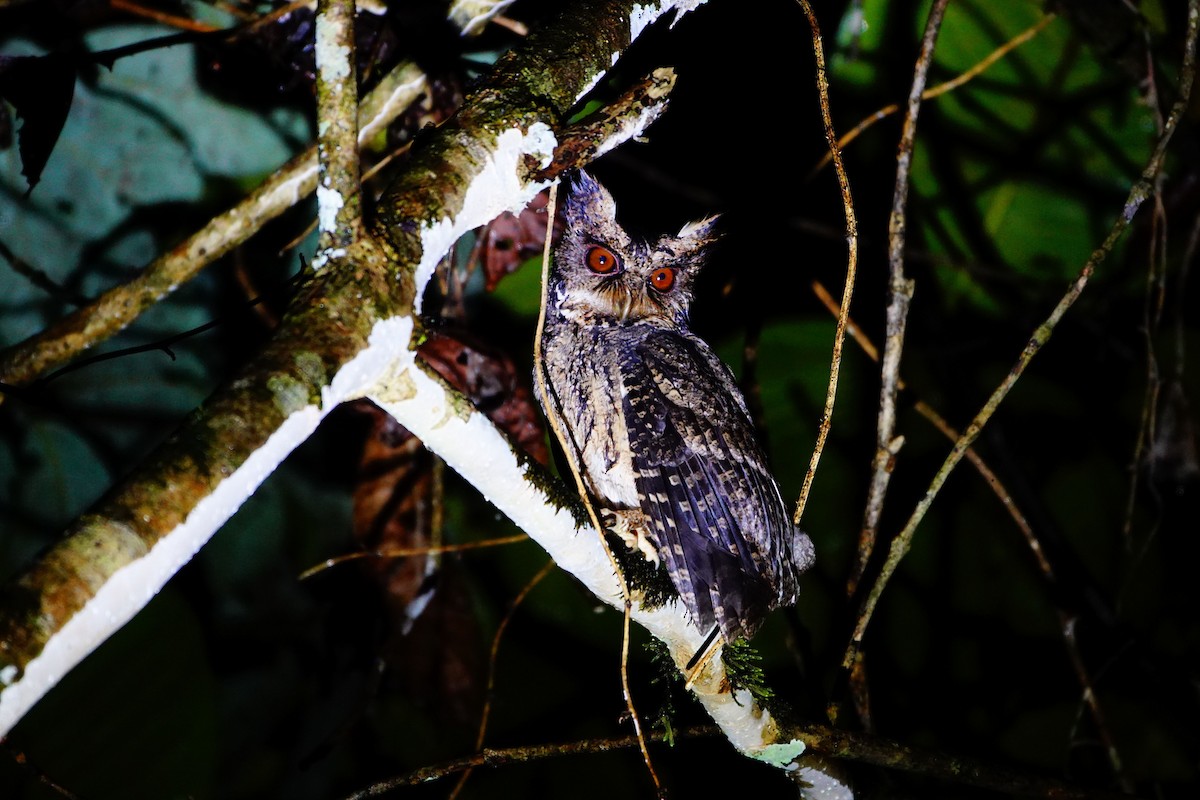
719,521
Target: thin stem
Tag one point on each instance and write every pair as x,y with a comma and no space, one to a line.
493,657
516,755
409,552
942,88
839,338
900,292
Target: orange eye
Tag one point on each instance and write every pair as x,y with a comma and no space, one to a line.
663,279
601,260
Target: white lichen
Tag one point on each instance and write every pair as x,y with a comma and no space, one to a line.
642,16
780,754
333,58
496,188
329,203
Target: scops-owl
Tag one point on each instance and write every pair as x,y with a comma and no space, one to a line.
655,423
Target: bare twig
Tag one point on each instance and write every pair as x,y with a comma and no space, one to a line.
173,20
1152,310
839,338
517,755
39,278
900,291
942,88
409,552
1141,189
492,658
1189,255
41,777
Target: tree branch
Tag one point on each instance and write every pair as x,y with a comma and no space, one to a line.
900,291
339,204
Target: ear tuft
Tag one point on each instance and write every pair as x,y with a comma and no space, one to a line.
588,202
702,231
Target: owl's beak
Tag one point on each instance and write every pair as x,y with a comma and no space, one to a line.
627,305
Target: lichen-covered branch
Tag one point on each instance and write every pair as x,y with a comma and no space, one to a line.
114,558
339,205
900,292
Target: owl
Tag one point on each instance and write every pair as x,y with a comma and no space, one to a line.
654,421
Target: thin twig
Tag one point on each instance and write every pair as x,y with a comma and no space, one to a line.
1152,309
839,337
1142,189
942,88
276,14
41,777
40,279
1189,255
517,755
165,344
173,20
409,552
493,657
900,292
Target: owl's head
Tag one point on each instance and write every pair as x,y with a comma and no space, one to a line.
601,274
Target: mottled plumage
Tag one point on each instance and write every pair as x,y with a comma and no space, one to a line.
655,422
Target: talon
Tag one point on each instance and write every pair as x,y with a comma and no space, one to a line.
630,525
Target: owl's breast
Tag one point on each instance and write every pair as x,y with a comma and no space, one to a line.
582,365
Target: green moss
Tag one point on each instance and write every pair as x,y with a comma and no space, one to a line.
556,492
667,680
651,581
743,667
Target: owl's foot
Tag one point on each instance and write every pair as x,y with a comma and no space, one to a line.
631,526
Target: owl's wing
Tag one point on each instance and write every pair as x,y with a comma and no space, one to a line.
720,522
